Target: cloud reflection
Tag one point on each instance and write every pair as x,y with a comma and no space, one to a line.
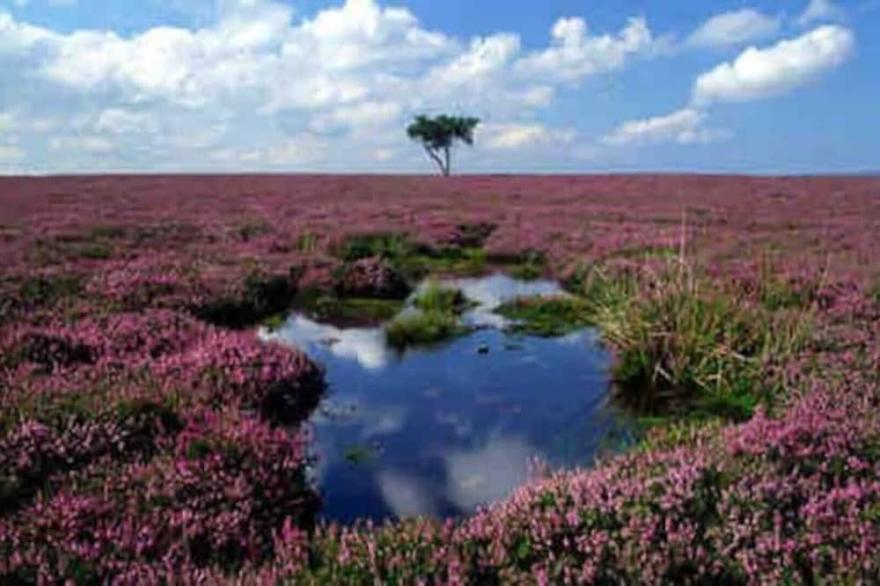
365,345
406,496
488,473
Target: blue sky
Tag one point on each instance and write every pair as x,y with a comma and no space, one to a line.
262,85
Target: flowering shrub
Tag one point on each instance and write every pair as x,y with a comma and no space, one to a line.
371,277
218,498
236,369
139,441
794,499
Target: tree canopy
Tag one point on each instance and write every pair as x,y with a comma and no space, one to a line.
438,134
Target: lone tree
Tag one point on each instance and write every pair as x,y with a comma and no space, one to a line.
438,135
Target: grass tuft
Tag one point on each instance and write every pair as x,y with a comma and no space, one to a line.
547,316
436,319
685,348
420,329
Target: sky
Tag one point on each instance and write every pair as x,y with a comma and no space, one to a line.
755,86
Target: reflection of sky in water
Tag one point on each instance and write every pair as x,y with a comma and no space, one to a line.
365,345
443,430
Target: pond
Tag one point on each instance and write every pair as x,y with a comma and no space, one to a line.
442,430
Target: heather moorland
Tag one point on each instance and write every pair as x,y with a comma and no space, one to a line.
149,434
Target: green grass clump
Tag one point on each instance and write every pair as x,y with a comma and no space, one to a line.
443,261
684,348
387,245
412,259
775,291
436,298
527,265
420,329
547,316
436,319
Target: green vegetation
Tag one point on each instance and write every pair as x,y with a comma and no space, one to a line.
96,251
874,290
251,228
777,293
527,265
436,319
437,136
358,454
684,349
436,298
547,316
260,297
444,261
646,252
387,245
420,329
307,242
413,260
347,310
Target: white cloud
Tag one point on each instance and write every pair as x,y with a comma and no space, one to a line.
359,116
366,346
485,57
256,86
575,54
759,73
16,37
686,126
89,144
734,28
10,153
820,10
120,121
406,496
517,136
487,473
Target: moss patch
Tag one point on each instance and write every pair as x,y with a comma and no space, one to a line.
422,329
412,259
437,318
547,316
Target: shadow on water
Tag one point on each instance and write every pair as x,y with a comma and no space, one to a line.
440,431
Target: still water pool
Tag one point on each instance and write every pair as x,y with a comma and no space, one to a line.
442,430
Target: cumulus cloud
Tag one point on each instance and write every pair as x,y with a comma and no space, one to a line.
685,126
759,73
575,54
734,28
820,10
256,87
406,496
366,346
89,144
120,121
487,473
517,136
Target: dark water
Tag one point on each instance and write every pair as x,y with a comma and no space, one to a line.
439,431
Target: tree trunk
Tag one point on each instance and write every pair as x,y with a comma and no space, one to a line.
436,158
446,168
